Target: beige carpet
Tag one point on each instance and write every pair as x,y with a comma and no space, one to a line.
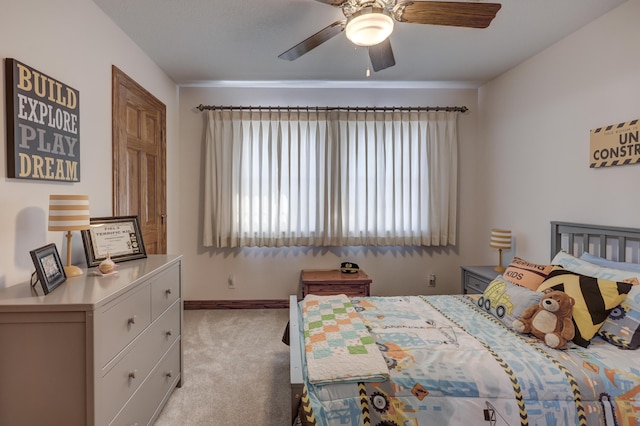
236,370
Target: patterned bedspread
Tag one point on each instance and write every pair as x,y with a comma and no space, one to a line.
452,364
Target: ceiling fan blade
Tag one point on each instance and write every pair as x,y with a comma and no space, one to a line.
381,55
457,14
336,3
314,41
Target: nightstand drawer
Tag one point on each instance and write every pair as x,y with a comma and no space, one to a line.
475,284
331,281
333,276
330,289
475,279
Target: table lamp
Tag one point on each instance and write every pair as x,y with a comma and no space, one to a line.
500,239
69,213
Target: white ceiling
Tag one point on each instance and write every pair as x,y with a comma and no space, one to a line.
239,40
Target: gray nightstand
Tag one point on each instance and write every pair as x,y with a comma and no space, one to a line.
475,279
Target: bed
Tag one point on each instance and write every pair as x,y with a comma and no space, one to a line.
454,360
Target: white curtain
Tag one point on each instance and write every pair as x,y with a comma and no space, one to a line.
330,178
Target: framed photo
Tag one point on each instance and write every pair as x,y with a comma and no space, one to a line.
117,237
49,269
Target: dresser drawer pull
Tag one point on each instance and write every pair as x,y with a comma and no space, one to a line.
169,332
169,374
132,374
131,320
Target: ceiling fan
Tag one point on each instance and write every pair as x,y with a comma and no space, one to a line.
370,22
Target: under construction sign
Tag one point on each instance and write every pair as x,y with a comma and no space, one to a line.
615,145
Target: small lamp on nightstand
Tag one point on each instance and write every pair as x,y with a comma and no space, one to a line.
500,239
69,213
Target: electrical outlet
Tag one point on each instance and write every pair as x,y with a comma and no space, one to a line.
231,281
432,280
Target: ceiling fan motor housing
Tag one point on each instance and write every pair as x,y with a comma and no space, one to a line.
349,7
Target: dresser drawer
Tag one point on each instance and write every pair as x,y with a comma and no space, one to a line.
121,379
165,289
146,401
120,321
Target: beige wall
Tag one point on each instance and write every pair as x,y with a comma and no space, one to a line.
75,43
274,273
523,152
534,123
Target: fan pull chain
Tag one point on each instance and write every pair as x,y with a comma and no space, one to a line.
367,71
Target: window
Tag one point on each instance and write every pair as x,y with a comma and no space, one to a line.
330,177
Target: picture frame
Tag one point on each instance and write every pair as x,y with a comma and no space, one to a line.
118,237
49,269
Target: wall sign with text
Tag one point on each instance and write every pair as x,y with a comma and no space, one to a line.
43,125
615,145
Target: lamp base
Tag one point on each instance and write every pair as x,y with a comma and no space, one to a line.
72,271
499,268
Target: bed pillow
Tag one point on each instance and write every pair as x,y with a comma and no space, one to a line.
580,266
507,301
526,274
595,298
625,266
622,327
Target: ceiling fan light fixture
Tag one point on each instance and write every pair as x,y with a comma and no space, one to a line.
369,26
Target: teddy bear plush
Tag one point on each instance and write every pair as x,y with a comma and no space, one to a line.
550,320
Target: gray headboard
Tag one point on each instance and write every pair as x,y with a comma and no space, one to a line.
610,242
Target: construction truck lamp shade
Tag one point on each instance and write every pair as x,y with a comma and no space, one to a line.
501,240
69,213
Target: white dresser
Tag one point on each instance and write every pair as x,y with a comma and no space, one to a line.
98,350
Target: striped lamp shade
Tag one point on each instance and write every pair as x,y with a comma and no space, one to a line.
500,239
68,212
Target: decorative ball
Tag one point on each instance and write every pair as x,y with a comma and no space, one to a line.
107,266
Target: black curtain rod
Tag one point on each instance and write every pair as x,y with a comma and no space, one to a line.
436,108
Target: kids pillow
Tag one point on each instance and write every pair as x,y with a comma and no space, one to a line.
580,266
625,266
526,274
622,326
595,298
507,301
